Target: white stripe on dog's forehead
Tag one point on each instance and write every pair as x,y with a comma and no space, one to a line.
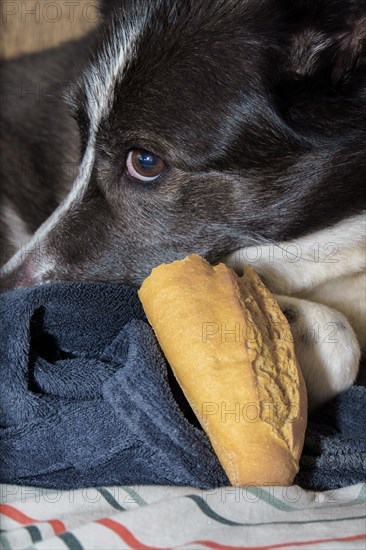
99,82
76,193
102,76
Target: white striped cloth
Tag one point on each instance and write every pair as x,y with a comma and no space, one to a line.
155,517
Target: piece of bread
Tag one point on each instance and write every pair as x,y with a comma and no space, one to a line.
230,348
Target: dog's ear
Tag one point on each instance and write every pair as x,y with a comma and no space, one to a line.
351,48
325,37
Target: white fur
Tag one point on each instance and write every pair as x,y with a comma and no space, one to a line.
101,78
346,294
326,347
294,266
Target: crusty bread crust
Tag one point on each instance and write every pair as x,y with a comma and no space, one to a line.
230,348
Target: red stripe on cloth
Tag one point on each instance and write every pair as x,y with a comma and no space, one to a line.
126,535
23,519
134,543
218,546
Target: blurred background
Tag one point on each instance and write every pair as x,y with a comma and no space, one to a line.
32,25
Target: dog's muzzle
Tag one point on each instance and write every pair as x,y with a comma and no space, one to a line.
23,275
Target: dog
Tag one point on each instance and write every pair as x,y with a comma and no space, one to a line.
234,129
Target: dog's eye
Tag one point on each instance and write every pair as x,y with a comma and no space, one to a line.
144,165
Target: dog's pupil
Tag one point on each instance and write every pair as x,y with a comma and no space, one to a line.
145,163
147,160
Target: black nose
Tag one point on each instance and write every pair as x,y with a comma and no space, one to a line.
23,275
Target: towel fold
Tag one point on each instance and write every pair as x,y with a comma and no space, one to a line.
334,453
87,400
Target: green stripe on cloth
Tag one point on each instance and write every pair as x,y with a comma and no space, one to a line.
4,542
110,498
209,512
205,508
134,495
268,498
361,497
34,533
71,541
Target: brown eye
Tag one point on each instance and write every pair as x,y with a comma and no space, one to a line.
144,165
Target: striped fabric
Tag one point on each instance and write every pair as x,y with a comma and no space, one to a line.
149,518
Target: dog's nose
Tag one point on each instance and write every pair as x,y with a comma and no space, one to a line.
23,275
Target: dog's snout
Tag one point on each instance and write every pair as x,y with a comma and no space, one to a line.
24,275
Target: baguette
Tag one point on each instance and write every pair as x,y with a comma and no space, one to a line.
230,348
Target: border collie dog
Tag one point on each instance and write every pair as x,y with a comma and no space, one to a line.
235,129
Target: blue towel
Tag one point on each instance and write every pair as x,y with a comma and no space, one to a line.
334,453
88,399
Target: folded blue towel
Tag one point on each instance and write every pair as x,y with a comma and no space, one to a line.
334,453
88,399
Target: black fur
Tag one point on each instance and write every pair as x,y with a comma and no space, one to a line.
258,109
